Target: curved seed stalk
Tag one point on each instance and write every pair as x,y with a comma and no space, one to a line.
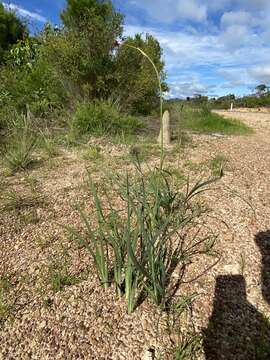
160,96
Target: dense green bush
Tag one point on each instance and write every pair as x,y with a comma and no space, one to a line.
25,81
77,12
12,29
83,51
101,118
81,63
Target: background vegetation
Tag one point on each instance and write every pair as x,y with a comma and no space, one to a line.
260,97
85,79
80,63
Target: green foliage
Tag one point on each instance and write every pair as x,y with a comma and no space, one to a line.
49,145
254,101
199,100
6,305
24,53
92,152
138,246
12,200
217,164
137,88
260,99
205,121
77,13
12,29
102,118
143,152
56,69
189,348
36,84
223,102
20,147
59,275
83,52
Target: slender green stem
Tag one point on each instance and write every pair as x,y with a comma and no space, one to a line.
160,96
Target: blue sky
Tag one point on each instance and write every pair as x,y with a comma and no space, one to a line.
211,47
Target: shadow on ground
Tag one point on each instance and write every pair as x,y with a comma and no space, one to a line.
262,240
236,330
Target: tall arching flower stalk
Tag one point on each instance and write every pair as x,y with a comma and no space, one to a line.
160,94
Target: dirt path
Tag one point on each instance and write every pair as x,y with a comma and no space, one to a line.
242,276
80,322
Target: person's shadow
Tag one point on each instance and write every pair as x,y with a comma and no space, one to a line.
262,240
236,330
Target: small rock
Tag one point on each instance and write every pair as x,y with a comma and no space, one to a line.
149,354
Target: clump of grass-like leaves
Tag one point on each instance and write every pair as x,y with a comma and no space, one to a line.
138,245
21,143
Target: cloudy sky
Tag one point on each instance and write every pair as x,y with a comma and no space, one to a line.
211,47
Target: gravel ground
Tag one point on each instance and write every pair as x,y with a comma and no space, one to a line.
83,322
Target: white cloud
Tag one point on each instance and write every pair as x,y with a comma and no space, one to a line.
261,73
236,36
188,88
199,10
235,18
208,36
253,4
184,50
25,13
173,10
192,10
243,5
218,62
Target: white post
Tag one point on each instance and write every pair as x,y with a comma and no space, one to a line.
166,129
231,106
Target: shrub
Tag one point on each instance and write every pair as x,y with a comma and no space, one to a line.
83,52
12,29
29,78
53,70
102,118
39,87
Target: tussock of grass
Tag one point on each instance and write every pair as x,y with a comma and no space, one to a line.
20,146
217,164
92,152
205,121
